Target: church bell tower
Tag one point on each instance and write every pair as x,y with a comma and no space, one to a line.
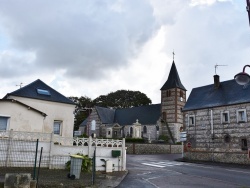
173,99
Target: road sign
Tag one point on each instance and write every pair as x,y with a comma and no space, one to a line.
183,136
189,145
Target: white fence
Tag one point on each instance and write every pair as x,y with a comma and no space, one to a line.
18,149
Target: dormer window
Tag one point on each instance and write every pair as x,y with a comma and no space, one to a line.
43,92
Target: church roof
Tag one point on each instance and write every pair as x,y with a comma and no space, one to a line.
39,90
147,115
106,114
173,79
228,93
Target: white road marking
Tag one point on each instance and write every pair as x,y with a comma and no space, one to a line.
150,164
162,164
238,171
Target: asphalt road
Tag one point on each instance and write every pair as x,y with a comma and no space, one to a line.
161,171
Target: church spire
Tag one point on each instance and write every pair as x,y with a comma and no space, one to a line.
173,79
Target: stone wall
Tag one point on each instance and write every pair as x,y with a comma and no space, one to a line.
213,139
224,157
135,148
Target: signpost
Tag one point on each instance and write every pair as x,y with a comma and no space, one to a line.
183,138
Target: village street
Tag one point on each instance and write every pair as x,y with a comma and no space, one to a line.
150,171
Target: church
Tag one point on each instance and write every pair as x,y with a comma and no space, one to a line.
148,122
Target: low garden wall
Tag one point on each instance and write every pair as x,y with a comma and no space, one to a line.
140,148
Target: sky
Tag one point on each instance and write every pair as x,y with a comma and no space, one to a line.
94,47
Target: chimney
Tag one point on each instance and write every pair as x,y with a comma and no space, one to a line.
216,81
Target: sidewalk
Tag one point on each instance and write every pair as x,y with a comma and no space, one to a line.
58,178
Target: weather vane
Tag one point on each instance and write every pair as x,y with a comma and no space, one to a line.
173,55
216,66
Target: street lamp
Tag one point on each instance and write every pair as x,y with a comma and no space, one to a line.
248,9
242,78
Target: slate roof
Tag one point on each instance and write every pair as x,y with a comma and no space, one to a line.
146,115
228,93
30,91
84,123
173,80
106,115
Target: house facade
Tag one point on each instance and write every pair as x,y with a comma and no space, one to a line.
56,110
148,122
217,122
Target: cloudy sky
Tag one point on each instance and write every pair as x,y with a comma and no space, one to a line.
94,47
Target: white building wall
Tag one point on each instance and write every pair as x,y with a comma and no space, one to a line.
54,111
21,118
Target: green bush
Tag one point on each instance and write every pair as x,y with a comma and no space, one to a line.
135,140
86,163
163,137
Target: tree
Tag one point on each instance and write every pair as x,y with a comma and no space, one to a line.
118,99
82,110
122,99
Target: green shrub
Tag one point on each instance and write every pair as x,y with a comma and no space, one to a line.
135,140
86,163
163,137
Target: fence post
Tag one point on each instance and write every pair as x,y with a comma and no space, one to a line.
90,146
123,155
51,150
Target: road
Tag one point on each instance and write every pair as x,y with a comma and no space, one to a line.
161,171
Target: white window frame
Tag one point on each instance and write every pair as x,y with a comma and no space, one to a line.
239,116
191,117
223,119
8,121
60,127
93,125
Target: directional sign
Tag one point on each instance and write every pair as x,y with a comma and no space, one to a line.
183,136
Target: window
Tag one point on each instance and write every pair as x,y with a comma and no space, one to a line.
241,116
57,127
145,129
168,93
93,125
191,120
244,144
43,92
131,131
4,123
225,117
109,132
181,93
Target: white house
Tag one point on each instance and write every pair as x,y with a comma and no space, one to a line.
37,107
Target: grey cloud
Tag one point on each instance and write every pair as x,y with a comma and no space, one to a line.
87,38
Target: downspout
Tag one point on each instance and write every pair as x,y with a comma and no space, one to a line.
212,132
212,124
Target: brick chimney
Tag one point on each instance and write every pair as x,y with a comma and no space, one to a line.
216,81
